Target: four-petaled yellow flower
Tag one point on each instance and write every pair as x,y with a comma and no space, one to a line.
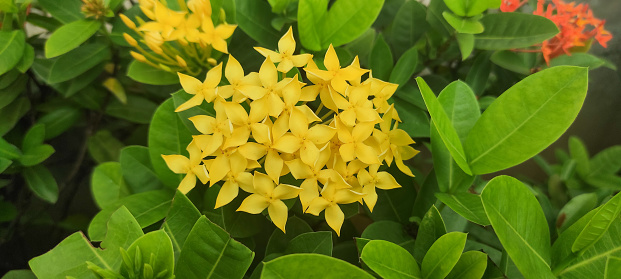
284,56
330,199
191,167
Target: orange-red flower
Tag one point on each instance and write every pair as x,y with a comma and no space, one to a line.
511,5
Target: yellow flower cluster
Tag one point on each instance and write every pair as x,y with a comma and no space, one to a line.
178,41
264,129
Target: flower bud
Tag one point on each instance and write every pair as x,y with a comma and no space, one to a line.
212,61
127,21
139,57
130,40
181,62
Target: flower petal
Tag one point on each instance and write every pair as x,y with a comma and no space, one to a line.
320,134
201,172
252,150
386,181
204,124
286,191
299,169
274,56
219,168
366,154
309,153
263,184
268,73
177,163
278,213
190,84
254,204
192,102
188,183
335,218
370,197
213,77
233,71
288,144
317,205
227,193
274,165
331,60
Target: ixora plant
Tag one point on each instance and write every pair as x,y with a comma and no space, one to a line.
320,126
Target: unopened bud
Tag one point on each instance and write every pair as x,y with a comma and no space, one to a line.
130,40
128,21
139,57
212,61
181,62
155,48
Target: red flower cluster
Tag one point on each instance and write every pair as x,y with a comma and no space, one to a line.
576,24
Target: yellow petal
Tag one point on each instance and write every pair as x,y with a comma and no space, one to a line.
343,196
276,105
407,152
310,115
244,181
252,150
201,172
317,205
254,204
219,44
370,197
238,163
366,154
274,56
261,133
285,65
309,192
238,137
320,134
213,77
274,165
219,168
319,74
364,178
362,131
347,151
234,71
208,143
351,73
301,60
291,93
268,73
254,92
331,60
278,213
286,191
348,117
367,115
188,183
227,193
326,98
299,169
402,167
263,184
196,100
225,31
280,127
400,137
177,163
204,124
298,123
288,144
335,218
190,84
386,181
286,44
309,153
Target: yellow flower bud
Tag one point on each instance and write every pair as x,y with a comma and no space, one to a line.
139,57
181,62
128,21
130,40
155,48
212,61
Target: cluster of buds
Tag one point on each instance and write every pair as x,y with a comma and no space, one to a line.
264,128
578,27
96,9
178,41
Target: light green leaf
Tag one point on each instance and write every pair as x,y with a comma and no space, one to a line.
41,182
608,161
70,36
467,205
599,224
107,184
217,254
104,147
66,11
11,49
613,267
155,245
580,154
581,59
311,242
389,260
525,119
471,7
144,73
519,223
137,169
7,6
123,230
511,61
307,266
405,67
180,220
575,209
278,6
310,15
380,59
479,73
466,44
19,274
443,255
444,125
463,25
514,30
408,27
27,59
471,265
4,164
34,137
430,229
254,18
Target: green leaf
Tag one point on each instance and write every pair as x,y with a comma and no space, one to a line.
180,220
380,59
66,11
278,6
11,49
77,84
311,242
580,59
104,147
27,59
525,119
463,25
7,6
68,258
466,44
613,267
520,225
4,164
514,30
605,181
389,260
10,93
408,27
405,67
212,249
70,36
8,150
167,135
389,231
156,246
107,184
147,208
307,266
396,204
19,274
430,229
144,73
59,120
12,113
471,8
34,137
575,209
479,73
511,61
41,182
443,255
580,154
123,230
137,169
137,109
279,241
467,205
608,161
36,155
599,224
254,18
72,64
444,125
8,211
471,265
8,78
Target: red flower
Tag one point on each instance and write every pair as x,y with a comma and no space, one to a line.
511,5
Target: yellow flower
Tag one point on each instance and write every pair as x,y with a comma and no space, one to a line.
382,91
265,195
329,200
265,134
216,37
372,179
200,7
187,29
235,178
190,167
356,107
205,90
312,175
234,73
335,74
353,143
166,21
284,56
219,127
394,143
267,94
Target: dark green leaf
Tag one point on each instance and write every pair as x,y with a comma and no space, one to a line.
12,113
71,64
279,241
41,182
104,147
307,266
27,59
36,155
254,18
180,220
471,265
137,169
137,109
389,231
79,84
405,67
479,73
66,11
144,73
389,260
408,26
580,154
155,246
8,211
430,229
463,25
511,61
8,150
70,36
107,184
514,30
580,59
311,242
380,59
4,164
11,49
10,93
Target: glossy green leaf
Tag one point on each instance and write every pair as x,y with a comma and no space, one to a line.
107,184
444,125
167,135
254,18
4,164
27,59
581,59
147,208
12,113
66,11
80,83
8,150
514,30
180,220
33,137
608,161
36,155
389,231
408,26
511,61
123,230
389,260
72,63
575,209
238,224
70,36
41,182
467,205
212,249
519,223
599,224
11,92
471,8
144,73
443,255
137,109
430,229
279,241
525,119
137,169
380,59
155,245
418,120
463,25
307,266
8,78
471,265
58,121
19,274
466,44
311,242
613,267
104,147
405,67
11,49
479,73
